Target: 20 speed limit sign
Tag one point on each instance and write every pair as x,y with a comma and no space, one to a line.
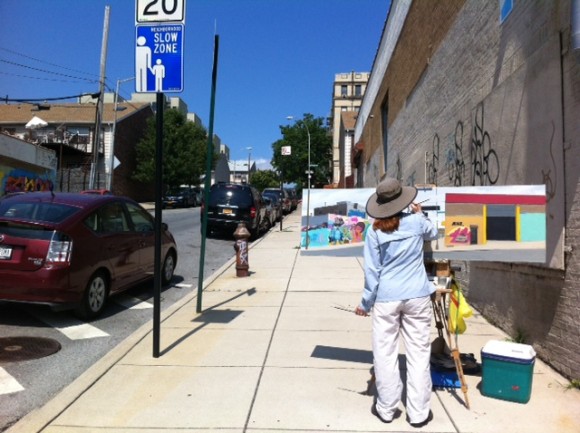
160,11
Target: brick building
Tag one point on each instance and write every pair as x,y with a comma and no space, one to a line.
469,93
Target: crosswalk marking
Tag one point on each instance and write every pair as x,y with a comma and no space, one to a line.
8,384
69,326
132,303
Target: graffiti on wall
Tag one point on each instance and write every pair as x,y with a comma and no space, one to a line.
433,165
454,162
484,160
18,180
547,174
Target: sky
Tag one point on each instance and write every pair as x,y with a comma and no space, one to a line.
276,58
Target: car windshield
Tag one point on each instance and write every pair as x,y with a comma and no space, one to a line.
46,212
178,191
271,196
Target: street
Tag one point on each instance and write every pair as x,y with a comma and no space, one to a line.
28,382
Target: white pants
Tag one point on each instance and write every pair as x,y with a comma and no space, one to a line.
412,320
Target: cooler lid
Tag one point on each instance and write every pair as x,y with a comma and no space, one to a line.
509,349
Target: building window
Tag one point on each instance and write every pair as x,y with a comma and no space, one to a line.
358,90
343,90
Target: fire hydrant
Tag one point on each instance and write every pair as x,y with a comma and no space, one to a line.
241,246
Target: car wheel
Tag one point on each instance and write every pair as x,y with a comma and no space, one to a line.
168,268
94,297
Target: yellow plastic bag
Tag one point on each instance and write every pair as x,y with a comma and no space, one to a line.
459,310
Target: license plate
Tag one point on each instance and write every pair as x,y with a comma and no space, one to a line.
227,211
5,253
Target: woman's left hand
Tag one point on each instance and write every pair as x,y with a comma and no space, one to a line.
360,312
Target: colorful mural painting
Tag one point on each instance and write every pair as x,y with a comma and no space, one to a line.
492,223
337,230
21,180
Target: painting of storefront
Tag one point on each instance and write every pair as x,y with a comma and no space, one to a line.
475,219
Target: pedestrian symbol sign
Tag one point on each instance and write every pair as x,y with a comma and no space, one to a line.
159,58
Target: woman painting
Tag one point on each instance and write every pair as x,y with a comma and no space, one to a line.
398,291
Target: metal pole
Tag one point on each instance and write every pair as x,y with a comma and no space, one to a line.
158,215
308,200
207,172
249,149
97,134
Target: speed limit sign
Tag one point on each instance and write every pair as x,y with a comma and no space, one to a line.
160,11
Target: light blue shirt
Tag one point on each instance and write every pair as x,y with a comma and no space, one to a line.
394,266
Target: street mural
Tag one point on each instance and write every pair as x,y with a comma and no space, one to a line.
491,223
19,180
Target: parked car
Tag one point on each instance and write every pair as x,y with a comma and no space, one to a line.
180,197
230,204
271,210
293,198
276,203
282,195
71,250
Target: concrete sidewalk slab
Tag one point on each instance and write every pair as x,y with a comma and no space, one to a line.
165,398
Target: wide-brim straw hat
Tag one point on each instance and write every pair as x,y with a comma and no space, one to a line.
390,198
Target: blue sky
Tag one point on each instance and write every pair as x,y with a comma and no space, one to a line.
277,58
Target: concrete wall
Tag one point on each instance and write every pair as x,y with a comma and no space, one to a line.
490,103
25,166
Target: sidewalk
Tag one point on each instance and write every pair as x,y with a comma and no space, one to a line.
271,354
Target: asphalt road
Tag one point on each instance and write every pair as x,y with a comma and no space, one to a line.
26,384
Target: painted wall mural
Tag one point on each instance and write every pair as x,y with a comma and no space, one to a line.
21,180
490,223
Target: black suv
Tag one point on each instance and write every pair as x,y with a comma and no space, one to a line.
230,204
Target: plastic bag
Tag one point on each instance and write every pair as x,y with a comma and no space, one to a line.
459,310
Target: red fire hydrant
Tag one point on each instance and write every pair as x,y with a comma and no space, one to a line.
241,246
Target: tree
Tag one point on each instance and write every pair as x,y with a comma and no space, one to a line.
184,151
265,179
294,167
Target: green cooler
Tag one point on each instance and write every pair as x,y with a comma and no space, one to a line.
507,370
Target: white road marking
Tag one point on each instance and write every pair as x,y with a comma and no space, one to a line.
8,384
132,303
73,328
183,285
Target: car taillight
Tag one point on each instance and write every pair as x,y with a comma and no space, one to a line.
59,249
252,212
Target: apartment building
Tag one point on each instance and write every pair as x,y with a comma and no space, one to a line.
347,96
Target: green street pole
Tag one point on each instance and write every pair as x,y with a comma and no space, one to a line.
207,183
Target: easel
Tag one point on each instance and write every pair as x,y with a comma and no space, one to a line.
439,302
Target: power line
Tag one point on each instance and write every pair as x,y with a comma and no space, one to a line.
93,95
45,71
45,62
42,78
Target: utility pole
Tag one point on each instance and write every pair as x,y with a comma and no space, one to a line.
99,117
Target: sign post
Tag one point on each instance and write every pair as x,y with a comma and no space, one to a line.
158,69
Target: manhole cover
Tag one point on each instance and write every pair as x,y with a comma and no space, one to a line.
14,349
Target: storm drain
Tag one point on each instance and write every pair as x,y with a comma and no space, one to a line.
13,349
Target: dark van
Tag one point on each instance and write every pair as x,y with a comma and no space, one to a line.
230,204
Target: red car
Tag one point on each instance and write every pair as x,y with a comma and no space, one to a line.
74,250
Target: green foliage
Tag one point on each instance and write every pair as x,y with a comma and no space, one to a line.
265,179
574,384
184,151
294,167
